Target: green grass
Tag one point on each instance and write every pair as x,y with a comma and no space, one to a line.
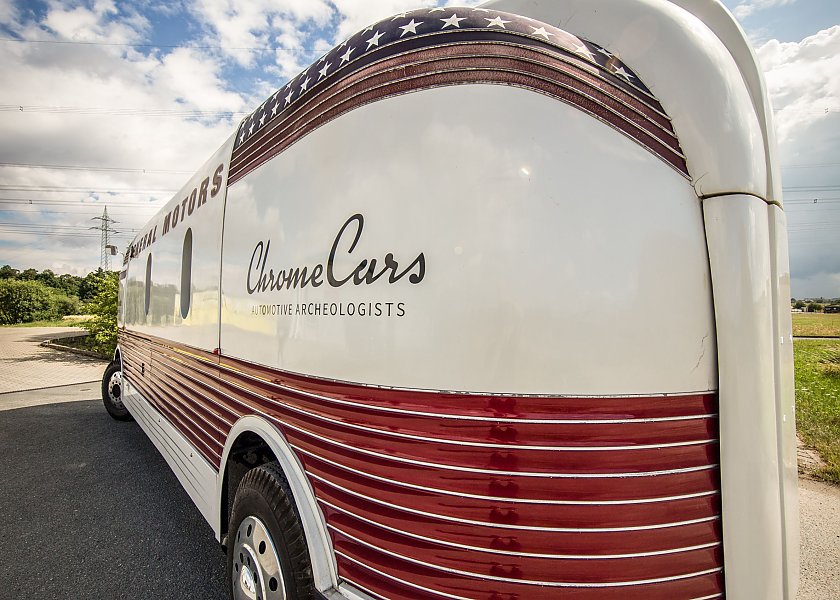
817,373
69,321
816,324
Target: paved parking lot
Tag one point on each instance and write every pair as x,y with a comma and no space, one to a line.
25,365
89,509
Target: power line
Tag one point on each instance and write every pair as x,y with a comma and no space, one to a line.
812,201
82,168
45,202
127,45
66,212
810,188
814,111
140,112
59,234
811,165
86,190
51,226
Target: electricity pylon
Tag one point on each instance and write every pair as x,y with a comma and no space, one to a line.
105,227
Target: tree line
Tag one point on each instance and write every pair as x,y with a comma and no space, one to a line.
32,295
814,304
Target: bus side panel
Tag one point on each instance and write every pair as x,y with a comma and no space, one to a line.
483,320
173,275
497,261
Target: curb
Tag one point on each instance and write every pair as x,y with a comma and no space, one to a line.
52,344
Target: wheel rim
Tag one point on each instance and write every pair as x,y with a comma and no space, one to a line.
256,571
115,389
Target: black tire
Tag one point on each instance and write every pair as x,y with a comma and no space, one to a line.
112,393
264,499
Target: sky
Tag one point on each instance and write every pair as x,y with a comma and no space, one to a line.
118,103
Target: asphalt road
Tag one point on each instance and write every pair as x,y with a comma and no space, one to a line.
89,509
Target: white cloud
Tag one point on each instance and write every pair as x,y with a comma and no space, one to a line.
240,26
805,93
745,9
8,13
193,79
246,30
358,14
113,78
80,23
802,80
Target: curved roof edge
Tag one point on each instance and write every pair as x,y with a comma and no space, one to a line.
718,18
699,65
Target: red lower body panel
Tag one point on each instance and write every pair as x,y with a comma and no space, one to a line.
432,495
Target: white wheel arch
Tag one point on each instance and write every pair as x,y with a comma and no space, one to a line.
324,569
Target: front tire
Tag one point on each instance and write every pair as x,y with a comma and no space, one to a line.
112,393
267,556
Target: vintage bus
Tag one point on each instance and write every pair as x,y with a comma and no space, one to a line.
487,303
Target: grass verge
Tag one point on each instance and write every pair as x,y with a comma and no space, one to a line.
816,324
817,373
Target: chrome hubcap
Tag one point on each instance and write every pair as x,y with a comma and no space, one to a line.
115,389
256,565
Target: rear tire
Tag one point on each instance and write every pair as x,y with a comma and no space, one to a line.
112,393
267,556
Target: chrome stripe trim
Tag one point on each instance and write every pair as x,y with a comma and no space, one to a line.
424,589
548,475
376,430
518,554
500,499
592,69
309,112
311,107
174,401
392,578
445,416
152,393
204,385
169,384
151,340
400,459
508,526
527,581
244,165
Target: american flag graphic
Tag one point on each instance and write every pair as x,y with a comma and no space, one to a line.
599,81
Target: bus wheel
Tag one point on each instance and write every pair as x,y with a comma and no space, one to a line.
112,393
267,557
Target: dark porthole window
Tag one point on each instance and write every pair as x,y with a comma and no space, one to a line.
148,296
186,274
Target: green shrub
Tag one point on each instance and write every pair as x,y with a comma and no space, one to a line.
103,307
27,301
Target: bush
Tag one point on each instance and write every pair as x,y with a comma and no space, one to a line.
27,301
103,307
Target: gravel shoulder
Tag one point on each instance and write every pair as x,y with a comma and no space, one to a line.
819,516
